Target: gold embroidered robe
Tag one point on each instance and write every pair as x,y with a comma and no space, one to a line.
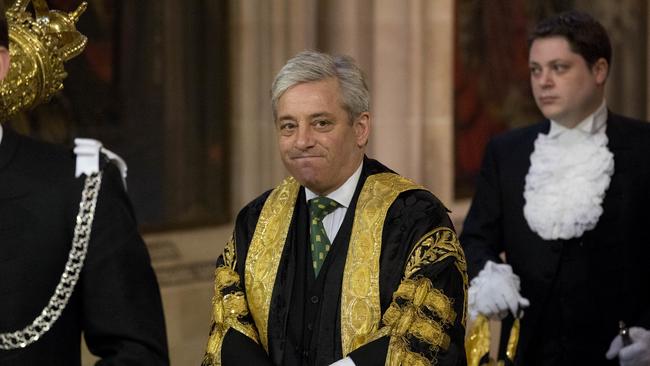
401,279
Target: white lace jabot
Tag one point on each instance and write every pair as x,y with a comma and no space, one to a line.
570,170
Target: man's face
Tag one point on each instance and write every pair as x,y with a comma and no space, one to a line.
565,88
319,146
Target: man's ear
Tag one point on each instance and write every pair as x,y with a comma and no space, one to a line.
600,70
362,129
4,62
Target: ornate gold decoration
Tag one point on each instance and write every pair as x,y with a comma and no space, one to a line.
477,344
360,305
436,246
421,293
400,354
229,254
409,320
38,45
265,252
228,309
513,340
408,315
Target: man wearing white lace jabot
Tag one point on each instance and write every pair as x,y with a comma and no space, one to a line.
566,201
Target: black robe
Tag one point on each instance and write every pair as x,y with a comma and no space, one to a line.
578,289
116,303
304,324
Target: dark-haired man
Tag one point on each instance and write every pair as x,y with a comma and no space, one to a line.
566,200
71,263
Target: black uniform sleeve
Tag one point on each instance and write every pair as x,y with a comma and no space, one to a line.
482,235
239,349
122,308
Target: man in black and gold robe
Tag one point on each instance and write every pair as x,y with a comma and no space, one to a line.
377,278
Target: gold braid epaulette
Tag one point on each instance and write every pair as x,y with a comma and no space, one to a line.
229,307
39,45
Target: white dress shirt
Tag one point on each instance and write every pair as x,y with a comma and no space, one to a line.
343,195
594,124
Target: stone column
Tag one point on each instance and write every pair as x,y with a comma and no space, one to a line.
412,90
264,35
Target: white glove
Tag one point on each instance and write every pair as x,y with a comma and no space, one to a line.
637,353
344,362
494,292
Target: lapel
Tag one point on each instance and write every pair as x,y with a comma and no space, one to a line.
516,156
283,288
619,141
328,334
617,134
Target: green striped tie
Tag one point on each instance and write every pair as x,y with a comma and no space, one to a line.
319,207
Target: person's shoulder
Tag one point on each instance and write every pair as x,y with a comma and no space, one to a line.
417,202
250,213
520,140
44,161
629,124
253,208
412,194
42,151
520,134
423,195
60,160
628,132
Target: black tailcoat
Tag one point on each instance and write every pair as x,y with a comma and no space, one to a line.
116,303
579,289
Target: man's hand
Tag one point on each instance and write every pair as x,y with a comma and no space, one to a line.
495,291
635,354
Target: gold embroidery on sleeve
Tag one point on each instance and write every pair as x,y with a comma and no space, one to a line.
229,254
421,293
228,309
399,354
436,246
360,305
409,315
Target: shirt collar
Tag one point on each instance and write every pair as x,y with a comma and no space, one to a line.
591,125
343,194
